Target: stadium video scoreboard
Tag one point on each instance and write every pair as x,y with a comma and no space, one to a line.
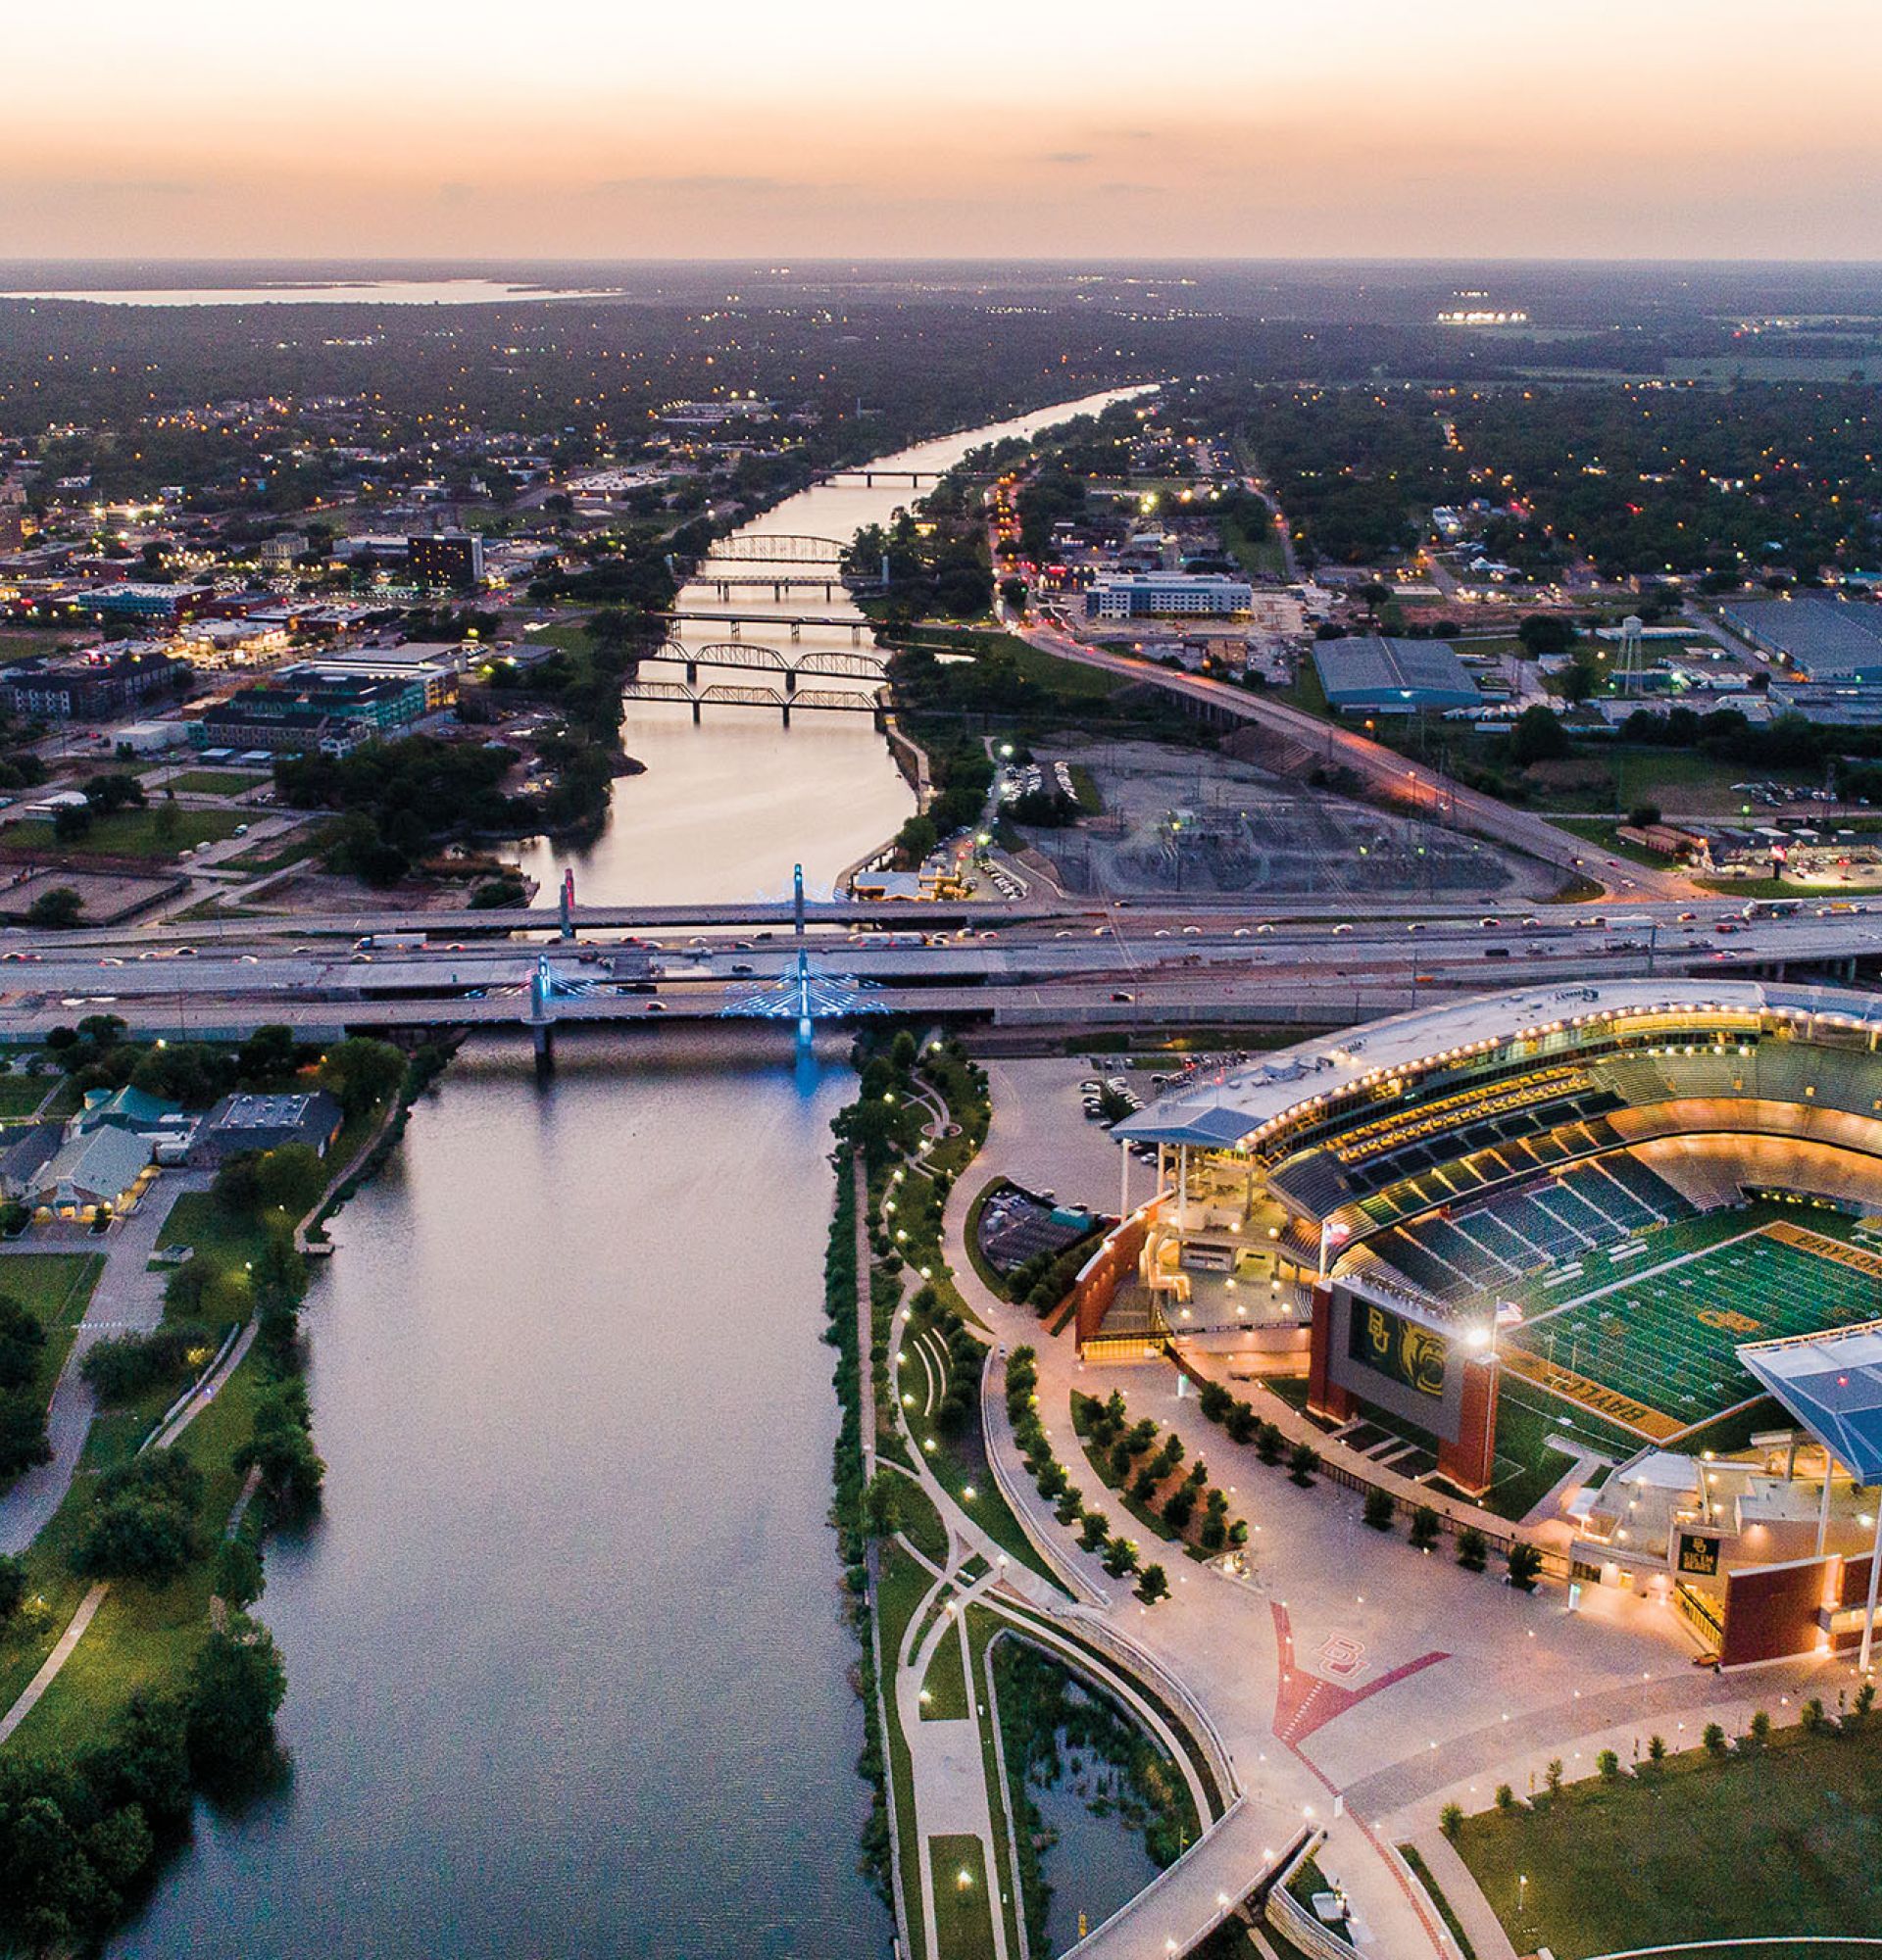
1396,1346
1371,1349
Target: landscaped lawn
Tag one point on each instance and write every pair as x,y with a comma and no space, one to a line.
129,833
21,1095
946,1683
962,1912
1781,1843
214,783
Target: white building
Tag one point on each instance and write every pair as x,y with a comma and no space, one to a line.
1175,594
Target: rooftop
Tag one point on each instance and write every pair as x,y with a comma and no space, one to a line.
1227,1108
1376,665
1832,1384
1824,636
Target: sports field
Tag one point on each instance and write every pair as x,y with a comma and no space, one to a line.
1655,1351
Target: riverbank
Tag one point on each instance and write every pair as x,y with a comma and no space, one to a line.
137,1635
946,1568
738,791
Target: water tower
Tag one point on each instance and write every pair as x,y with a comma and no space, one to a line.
1627,671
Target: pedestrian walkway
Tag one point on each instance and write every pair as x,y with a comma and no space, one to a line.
127,1298
1454,1879
60,1654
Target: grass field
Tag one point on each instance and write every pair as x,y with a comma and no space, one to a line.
963,1914
145,1635
130,833
21,1095
277,853
196,1219
214,783
1064,677
1665,1335
1703,1850
1257,552
54,1288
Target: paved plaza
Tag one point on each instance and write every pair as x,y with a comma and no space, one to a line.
1345,1670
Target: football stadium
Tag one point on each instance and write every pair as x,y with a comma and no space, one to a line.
1537,1250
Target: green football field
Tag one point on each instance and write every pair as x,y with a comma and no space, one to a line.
1665,1335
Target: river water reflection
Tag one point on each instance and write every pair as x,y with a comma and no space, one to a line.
726,807
567,1671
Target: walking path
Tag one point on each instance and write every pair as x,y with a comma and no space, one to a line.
127,1298
187,1410
1402,1682
62,1652
1453,1877
947,1768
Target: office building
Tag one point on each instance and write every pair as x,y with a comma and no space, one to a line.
1149,595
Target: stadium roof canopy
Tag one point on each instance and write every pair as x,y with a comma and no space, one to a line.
1832,1384
1221,1109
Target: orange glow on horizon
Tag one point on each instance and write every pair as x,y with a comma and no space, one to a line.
1607,130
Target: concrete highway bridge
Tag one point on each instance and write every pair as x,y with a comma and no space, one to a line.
226,981
1384,773
870,477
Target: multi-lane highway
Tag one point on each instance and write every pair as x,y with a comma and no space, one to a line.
1120,967
1384,772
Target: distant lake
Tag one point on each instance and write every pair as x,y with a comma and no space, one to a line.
324,292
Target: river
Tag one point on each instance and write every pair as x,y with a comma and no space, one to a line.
567,1671
726,807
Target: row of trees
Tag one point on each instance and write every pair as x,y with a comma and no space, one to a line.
80,1832
22,1395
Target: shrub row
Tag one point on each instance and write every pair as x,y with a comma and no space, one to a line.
1121,1554
1381,1507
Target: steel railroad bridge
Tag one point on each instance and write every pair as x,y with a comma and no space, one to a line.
695,615
748,656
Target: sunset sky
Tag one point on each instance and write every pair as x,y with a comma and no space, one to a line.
615,128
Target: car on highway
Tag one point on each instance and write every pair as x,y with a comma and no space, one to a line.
656,1006
1345,925
1118,995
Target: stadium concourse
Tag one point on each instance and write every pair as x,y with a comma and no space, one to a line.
1535,1250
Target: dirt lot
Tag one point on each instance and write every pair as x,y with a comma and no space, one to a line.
1179,820
107,896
